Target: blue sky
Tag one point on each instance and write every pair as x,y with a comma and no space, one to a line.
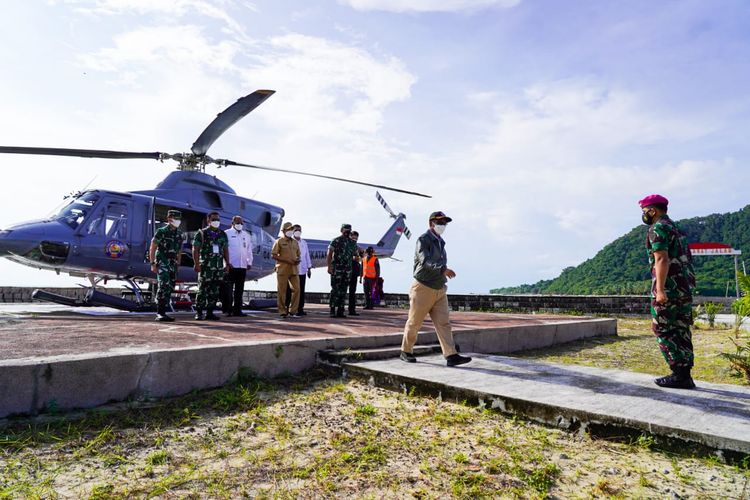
535,124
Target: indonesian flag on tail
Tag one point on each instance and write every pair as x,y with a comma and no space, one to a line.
405,230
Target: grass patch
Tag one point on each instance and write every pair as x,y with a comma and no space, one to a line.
308,437
635,349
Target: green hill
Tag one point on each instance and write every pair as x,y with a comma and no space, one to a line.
621,267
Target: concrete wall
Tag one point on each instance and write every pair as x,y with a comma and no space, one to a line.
587,304
84,381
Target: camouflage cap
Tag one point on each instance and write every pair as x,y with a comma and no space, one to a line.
174,214
346,226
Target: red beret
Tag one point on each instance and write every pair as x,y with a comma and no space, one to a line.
653,199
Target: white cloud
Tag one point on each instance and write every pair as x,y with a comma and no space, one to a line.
217,9
428,5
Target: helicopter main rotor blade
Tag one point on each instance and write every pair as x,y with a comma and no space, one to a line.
85,153
227,118
230,162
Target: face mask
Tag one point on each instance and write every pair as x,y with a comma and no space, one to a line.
289,234
176,223
647,219
439,228
346,234
215,224
238,227
297,234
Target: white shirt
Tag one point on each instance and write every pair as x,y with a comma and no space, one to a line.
240,248
305,263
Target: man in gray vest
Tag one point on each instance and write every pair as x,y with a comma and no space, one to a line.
428,293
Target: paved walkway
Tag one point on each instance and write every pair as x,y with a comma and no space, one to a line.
714,415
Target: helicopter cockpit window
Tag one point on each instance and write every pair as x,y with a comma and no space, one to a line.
76,211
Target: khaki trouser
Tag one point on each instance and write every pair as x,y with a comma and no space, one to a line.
282,282
424,300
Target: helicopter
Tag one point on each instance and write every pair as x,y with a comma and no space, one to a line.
105,235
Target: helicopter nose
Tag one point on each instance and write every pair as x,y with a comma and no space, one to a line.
15,242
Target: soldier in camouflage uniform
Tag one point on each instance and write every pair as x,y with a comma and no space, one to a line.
210,252
340,256
164,256
673,280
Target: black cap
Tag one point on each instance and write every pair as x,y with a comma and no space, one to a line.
174,213
346,226
439,216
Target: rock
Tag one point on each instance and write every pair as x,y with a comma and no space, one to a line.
563,456
712,478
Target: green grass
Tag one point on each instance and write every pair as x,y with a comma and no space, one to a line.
635,349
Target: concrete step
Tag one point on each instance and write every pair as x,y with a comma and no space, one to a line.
339,357
713,418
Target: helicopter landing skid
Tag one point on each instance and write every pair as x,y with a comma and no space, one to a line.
57,298
95,297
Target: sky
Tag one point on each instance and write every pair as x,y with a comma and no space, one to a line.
535,124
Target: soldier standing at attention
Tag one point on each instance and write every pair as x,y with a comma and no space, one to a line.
340,256
428,293
672,283
210,252
164,256
286,253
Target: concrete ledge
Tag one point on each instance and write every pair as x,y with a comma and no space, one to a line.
714,417
80,381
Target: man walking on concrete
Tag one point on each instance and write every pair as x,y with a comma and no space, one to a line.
672,283
428,293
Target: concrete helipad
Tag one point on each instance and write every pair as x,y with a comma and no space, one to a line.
56,356
611,402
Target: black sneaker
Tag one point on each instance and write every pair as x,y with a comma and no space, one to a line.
408,357
457,359
675,382
164,317
199,315
212,317
353,313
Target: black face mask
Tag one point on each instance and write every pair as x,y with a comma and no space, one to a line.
647,219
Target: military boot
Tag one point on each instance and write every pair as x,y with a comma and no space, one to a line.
199,314
333,312
340,313
161,312
210,315
680,379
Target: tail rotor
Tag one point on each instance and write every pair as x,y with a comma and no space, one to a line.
393,215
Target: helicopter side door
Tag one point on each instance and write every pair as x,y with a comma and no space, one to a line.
105,242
